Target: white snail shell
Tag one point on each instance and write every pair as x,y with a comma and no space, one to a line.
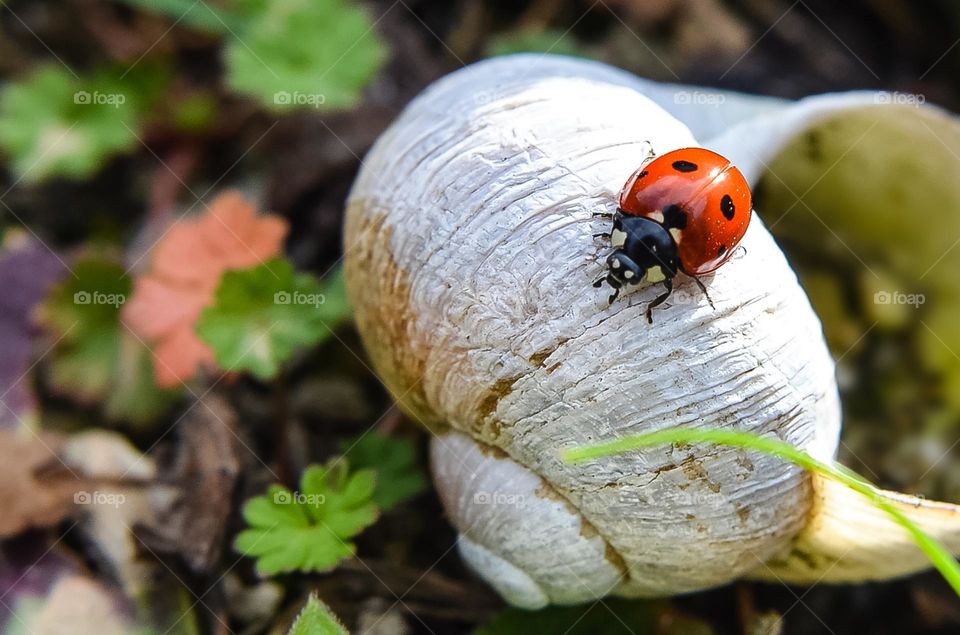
470,259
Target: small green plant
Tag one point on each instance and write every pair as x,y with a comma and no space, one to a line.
939,556
316,619
203,16
95,359
399,478
261,315
289,55
609,617
309,530
54,123
303,53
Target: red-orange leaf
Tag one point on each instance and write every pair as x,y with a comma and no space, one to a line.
185,269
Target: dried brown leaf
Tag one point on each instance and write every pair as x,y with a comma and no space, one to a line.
36,489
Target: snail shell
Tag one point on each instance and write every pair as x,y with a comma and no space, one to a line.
470,258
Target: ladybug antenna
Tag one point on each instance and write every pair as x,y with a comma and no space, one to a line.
704,289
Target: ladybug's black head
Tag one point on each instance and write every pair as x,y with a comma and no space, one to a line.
645,250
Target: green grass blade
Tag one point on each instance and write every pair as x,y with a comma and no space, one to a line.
938,555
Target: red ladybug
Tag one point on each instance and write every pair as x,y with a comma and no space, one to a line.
686,210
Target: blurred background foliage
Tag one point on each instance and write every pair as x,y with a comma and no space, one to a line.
117,118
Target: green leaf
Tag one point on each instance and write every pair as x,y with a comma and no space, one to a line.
95,359
399,477
194,113
309,530
316,619
610,617
200,15
56,124
303,53
261,315
335,302
939,556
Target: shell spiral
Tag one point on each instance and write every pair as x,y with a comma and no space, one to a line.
470,257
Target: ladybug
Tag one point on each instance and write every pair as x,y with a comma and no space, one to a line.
685,210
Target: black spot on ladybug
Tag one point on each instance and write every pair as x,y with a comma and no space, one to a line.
721,251
727,207
674,217
642,174
684,166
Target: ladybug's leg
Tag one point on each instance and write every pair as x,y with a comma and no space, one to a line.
616,293
668,285
599,282
704,289
603,235
604,214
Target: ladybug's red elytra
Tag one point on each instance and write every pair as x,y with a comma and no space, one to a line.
685,210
